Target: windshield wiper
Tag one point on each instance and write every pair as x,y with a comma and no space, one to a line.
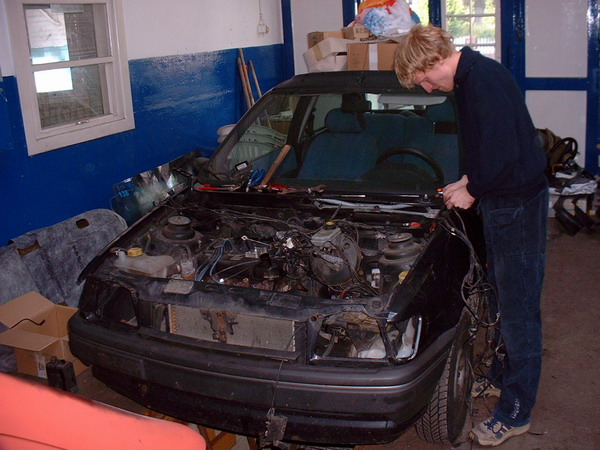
375,207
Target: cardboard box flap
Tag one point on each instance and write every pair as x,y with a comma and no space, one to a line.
26,340
63,314
27,305
314,37
330,63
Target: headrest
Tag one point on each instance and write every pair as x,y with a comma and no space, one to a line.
355,102
341,122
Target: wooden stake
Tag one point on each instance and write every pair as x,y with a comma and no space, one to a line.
245,76
244,85
258,89
255,79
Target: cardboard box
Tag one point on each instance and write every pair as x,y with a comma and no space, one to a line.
36,344
325,48
331,63
315,37
371,55
357,33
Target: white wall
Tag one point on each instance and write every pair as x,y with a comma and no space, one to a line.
556,46
158,28
556,42
313,15
155,28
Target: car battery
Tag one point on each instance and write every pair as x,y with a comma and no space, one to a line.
61,375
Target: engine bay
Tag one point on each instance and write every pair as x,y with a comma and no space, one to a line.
319,253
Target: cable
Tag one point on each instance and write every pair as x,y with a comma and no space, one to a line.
271,411
39,324
474,280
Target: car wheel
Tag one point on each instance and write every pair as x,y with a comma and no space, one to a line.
445,415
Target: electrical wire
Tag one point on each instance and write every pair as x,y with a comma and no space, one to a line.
27,319
474,281
271,411
211,263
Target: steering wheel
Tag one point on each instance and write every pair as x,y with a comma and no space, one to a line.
401,150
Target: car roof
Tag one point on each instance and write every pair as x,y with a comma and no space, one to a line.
345,81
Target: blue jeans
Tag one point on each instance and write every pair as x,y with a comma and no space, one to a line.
515,236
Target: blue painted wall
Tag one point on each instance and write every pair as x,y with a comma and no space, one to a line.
179,103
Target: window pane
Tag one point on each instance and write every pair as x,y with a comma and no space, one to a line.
473,23
457,7
83,100
460,29
483,7
265,137
484,35
73,80
60,33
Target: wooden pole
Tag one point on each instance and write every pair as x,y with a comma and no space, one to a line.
255,79
244,85
246,77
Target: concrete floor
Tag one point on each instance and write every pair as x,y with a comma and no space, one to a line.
565,416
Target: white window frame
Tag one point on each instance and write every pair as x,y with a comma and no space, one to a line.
119,117
498,34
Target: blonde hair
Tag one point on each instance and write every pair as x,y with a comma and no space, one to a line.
419,50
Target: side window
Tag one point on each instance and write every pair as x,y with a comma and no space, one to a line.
72,71
474,23
265,135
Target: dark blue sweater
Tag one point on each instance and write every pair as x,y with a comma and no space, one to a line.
503,151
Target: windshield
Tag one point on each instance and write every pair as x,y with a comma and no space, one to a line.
350,141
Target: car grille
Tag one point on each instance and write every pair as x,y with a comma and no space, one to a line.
236,329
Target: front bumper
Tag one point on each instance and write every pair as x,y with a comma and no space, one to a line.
234,392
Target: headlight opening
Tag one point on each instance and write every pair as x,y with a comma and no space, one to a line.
356,336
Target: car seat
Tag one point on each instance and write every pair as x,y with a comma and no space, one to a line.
344,151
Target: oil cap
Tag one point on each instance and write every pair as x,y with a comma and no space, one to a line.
135,251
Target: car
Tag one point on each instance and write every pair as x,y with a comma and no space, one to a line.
307,283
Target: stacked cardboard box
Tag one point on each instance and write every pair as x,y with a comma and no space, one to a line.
357,33
315,37
351,48
330,54
371,55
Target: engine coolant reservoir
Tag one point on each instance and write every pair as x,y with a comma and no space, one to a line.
328,236
137,262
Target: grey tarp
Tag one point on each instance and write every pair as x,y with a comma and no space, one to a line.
49,260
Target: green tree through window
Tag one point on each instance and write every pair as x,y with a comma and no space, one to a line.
474,23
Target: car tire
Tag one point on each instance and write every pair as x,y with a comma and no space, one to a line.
446,413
